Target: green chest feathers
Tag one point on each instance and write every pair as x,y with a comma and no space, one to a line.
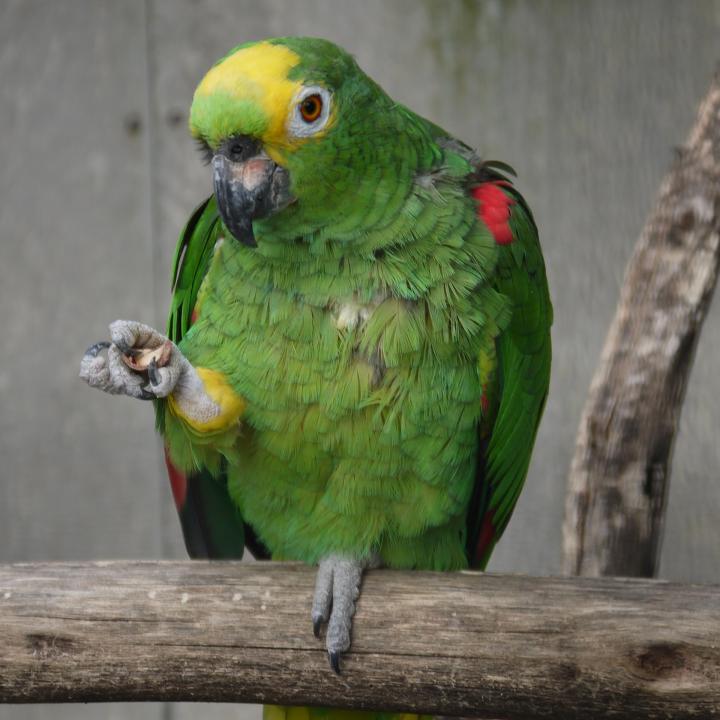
363,399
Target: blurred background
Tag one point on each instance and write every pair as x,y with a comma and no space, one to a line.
587,100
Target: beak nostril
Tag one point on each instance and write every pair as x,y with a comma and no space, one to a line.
240,148
237,150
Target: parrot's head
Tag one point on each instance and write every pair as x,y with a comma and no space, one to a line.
291,127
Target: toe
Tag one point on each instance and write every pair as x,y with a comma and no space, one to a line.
322,600
336,589
163,379
123,335
93,370
123,379
318,621
129,334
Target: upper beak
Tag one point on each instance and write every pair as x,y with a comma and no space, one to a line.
248,186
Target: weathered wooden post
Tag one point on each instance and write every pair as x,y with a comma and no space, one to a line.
620,472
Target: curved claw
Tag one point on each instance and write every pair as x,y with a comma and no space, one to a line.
317,622
94,350
334,660
153,374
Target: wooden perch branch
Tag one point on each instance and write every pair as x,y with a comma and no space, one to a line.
454,644
620,473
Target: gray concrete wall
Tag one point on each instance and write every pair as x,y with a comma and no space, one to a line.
97,173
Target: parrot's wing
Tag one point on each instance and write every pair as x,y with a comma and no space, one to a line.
523,362
192,259
212,525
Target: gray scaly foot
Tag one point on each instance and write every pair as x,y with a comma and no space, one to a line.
111,373
337,587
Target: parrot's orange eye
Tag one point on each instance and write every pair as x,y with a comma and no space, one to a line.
310,112
311,108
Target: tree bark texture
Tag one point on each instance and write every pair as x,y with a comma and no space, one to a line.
619,476
458,644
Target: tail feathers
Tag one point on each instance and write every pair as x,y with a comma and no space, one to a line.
212,526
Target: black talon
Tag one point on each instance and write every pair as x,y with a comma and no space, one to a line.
153,374
95,349
317,625
125,349
334,658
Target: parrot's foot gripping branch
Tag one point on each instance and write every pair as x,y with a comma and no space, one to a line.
337,587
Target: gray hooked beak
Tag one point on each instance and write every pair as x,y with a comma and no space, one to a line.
248,186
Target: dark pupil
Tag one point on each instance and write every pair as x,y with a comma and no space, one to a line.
311,108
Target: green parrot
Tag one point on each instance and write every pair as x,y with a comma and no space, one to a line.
358,348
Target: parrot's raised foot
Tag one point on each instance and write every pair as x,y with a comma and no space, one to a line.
337,587
143,363
132,367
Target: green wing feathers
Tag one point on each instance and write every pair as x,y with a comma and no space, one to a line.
192,258
523,375
211,523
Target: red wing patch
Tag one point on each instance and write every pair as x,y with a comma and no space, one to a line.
484,401
485,536
178,482
494,209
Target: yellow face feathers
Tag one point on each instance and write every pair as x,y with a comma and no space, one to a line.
249,93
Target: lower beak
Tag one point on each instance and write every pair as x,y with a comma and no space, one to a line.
248,190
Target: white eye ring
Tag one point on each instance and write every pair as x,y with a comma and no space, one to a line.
299,127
